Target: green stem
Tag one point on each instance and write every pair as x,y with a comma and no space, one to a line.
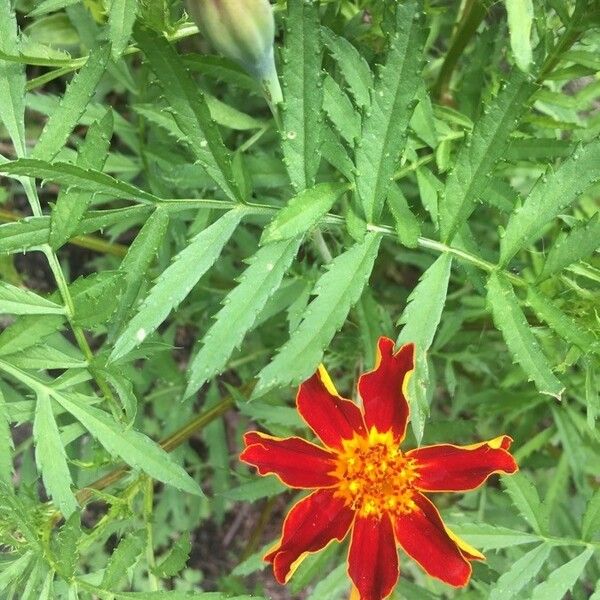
471,18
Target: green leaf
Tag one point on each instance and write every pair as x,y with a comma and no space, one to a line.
28,233
67,552
12,80
520,21
176,559
524,495
421,318
479,153
48,6
175,595
19,301
120,24
579,243
591,518
240,309
137,261
491,537
264,487
521,573
72,204
189,109
301,109
408,229
336,291
561,580
303,211
388,115
592,397
176,282
123,558
134,448
28,331
522,344
73,175
340,110
51,458
14,570
566,327
79,93
6,444
96,297
552,193
352,64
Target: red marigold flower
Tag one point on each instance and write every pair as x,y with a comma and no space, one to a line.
363,482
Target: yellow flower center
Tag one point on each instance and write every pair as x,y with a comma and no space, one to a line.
374,476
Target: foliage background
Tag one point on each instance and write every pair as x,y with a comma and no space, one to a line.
165,246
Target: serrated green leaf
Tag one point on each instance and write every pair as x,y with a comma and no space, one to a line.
124,389
14,570
386,120
480,151
28,233
578,244
96,297
336,291
120,24
566,327
240,309
592,396
303,98
352,64
176,282
421,318
561,580
137,261
20,301
48,6
71,204
67,551
73,175
552,193
76,98
6,444
28,331
51,458
123,558
407,225
12,80
490,537
520,21
510,320
48,356
525,497
134,448
176,559
591,518
189,109
521,573
340,110
303,211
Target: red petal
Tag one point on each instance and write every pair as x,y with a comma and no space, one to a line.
373,558
331,417
309,526
296,462
382,391
449,468
423,536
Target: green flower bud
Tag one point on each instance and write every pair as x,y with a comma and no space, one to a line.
242,30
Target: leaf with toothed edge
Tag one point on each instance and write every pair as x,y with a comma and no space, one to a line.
240,309
510,320
176,282
71,107
386,120
480,151
421,318
303,93
553,192
336,291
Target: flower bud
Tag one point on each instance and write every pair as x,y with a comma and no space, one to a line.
242,30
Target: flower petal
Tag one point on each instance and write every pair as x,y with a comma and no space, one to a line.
309,526
331,417
296,462
449,468
423,536
373,558
382,390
